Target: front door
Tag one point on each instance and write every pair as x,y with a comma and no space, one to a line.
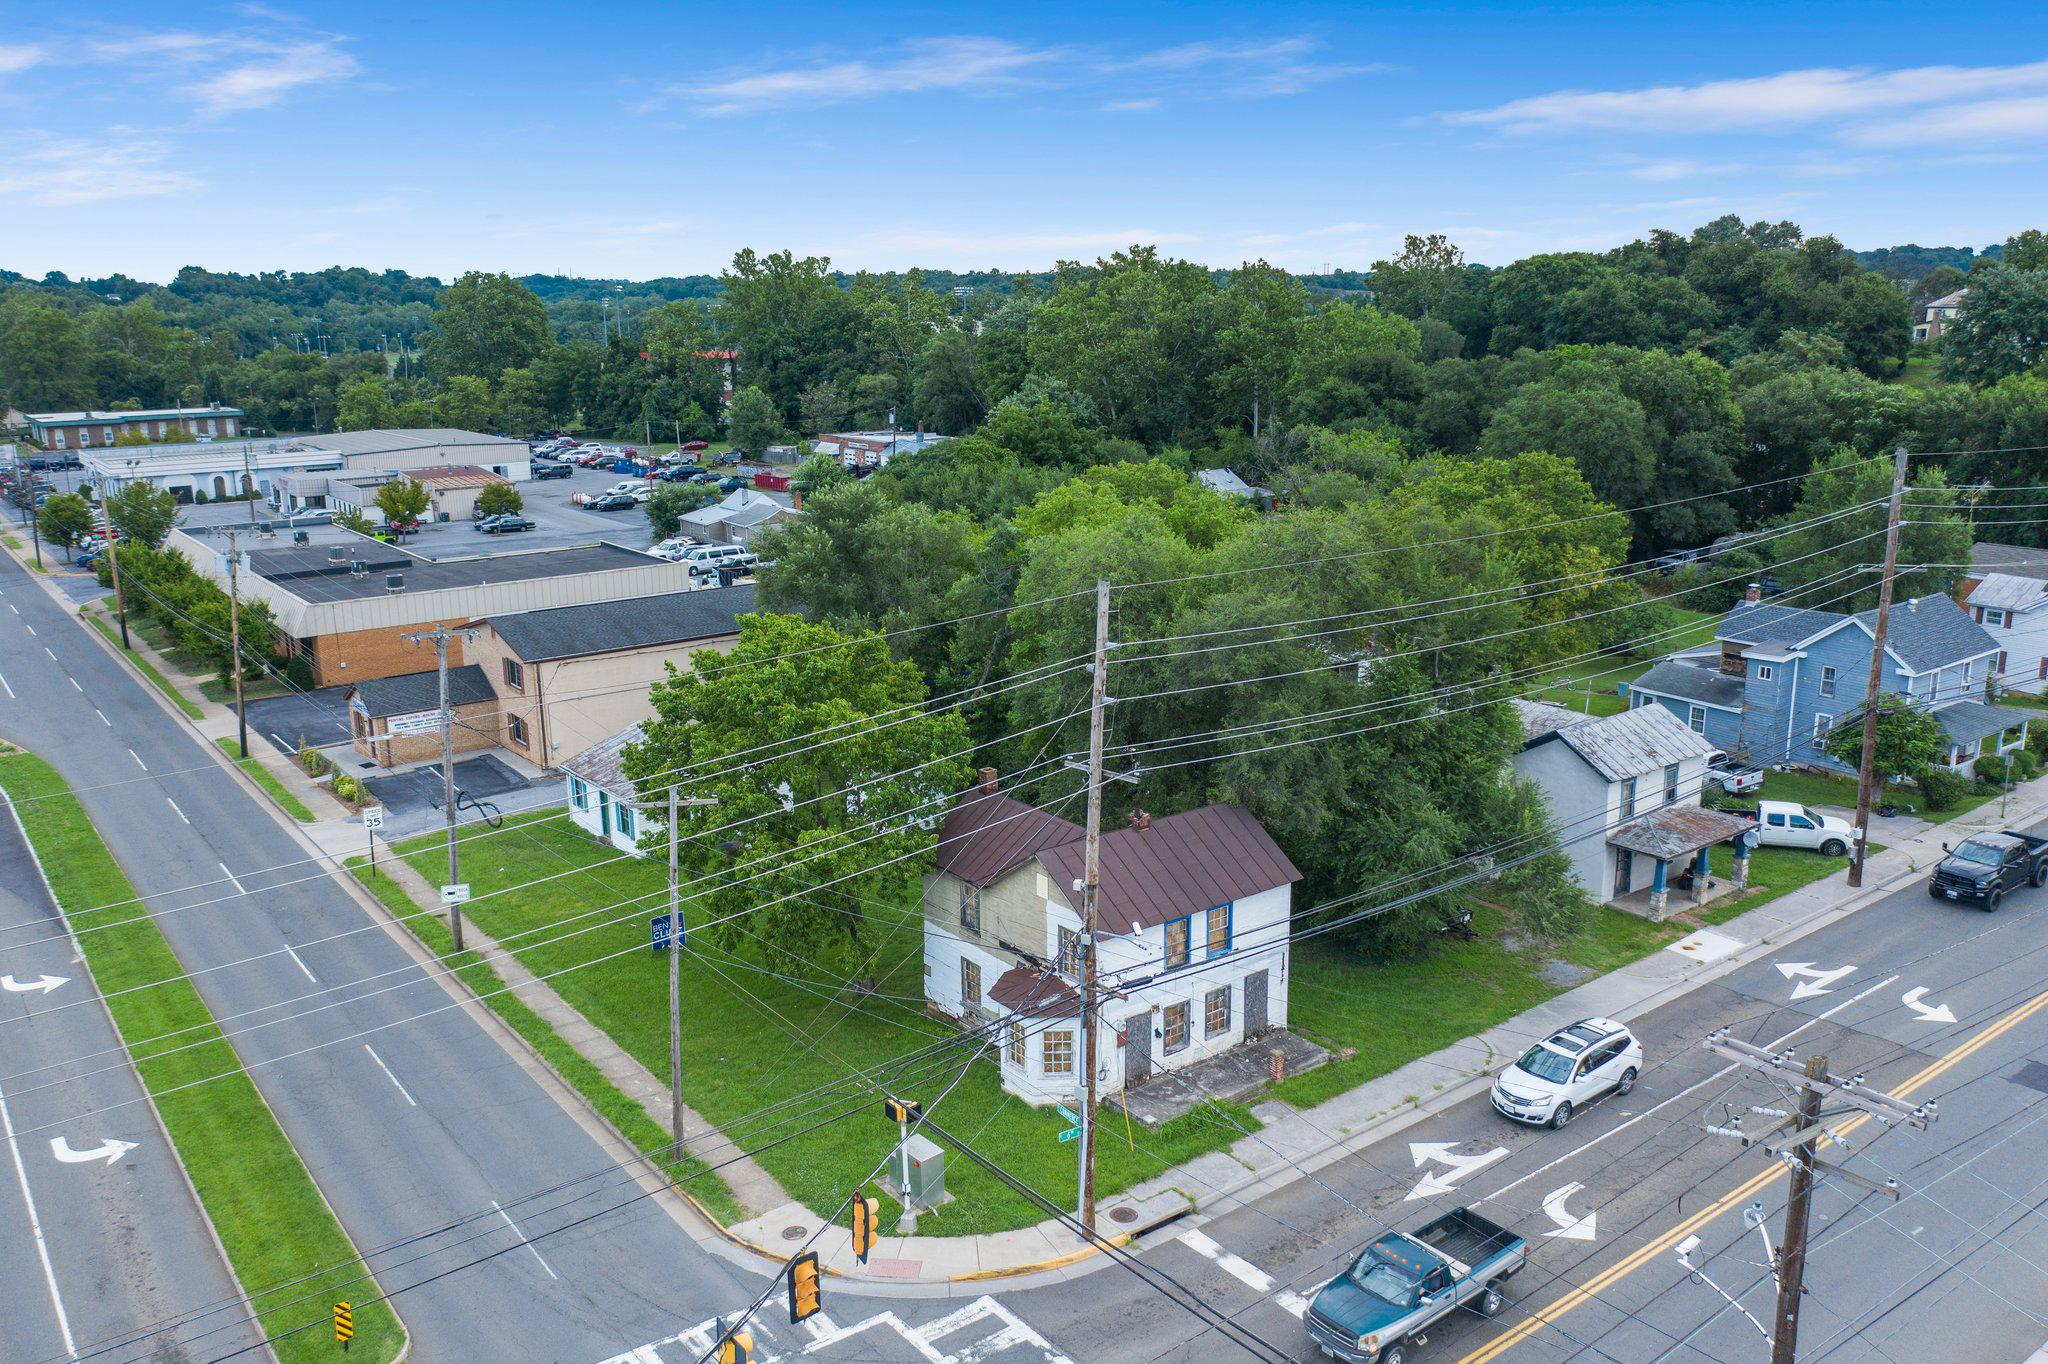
604,814
1254,1003
1624,868
1137,1048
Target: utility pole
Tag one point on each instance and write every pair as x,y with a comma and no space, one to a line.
1795,1138
440,635
113,558
675,967
235,638
1091,885
1866,769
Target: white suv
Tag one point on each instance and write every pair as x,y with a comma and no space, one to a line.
1567,1070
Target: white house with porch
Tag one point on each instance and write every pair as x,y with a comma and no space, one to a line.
603,801
1192,924
1624,798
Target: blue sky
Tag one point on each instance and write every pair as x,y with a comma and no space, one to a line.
642,139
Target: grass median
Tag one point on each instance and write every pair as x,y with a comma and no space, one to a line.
279,1233
264,778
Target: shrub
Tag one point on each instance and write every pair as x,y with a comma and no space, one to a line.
314,761
2022,763
1942,788
2037,740
298,673
349,788
1993,770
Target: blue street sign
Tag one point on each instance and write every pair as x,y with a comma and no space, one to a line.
657,933
1069,1114
1070,1134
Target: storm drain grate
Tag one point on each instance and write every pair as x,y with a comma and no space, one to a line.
2033,1075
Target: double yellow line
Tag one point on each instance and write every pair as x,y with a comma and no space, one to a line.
1548,1315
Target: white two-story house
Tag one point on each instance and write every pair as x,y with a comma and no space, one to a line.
1192,924
2007,594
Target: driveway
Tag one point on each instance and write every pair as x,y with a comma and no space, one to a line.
318,717
412,800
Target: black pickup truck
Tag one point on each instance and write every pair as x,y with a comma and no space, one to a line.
1983,867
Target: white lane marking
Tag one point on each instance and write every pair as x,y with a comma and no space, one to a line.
231,878
1571,1228
138,760
35,1223
30,628
3,683
1717,1076
1816,981
174,806
103,717
307,969
522,1238
1929,1013
108,1151
44,983
46,649
1292,1303
375,1057
15,609
74,683
1244,1271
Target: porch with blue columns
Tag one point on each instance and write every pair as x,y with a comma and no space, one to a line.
1657,891
1700,873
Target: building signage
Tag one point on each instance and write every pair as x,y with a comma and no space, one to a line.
418,722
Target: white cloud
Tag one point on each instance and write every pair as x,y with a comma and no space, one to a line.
269,75
1822,95
19,57
967,248
1683,168
1132,106
927,64
1984,120
54,171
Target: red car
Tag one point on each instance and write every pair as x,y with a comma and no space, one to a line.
695,445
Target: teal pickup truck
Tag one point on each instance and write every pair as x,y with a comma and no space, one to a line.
1404,1283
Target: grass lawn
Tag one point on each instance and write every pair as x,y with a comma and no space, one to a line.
1395,1013
279,1233
112,630
293,806
1815,788
739,1055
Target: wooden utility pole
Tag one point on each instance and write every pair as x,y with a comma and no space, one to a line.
1091,883
439,636
114,559
1866,769
235,638
675,966
1798,1213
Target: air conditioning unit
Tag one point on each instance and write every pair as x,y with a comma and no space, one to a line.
336,554
358,568
394,582
300,537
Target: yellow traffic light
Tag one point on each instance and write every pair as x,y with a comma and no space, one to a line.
737,1348
866,1212
806,1297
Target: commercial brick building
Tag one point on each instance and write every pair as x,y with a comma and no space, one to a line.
396,720
91,429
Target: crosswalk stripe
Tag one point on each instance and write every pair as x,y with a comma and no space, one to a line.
1244,1271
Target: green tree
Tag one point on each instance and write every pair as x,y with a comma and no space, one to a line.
364,405
816,473
143,512
1261,314
351,518
44,357
752,421
2002,328
2026,250
1936,531
465,402
403,502
1420,280
822,407
668,504
500,497
789,853
485,324
65,519
1909,740
1353,360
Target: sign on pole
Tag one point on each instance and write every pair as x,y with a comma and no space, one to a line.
1070,1134
457,894
373,817
1069,1114
657,933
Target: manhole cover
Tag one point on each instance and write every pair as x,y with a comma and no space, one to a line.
1123,1214
794,1233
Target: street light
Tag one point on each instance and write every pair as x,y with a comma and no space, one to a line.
1685,1250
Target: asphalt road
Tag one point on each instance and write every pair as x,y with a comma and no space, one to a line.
1956,1269
410,1116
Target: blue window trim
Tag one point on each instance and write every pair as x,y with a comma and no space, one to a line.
627,821
1229,909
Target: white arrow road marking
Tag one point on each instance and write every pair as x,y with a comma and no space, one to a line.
1569,1227
23,987
1816,982
110,1150
1244,1271
1929,1013
1434,1185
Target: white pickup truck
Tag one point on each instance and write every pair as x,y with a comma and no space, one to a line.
1788,824
1732,777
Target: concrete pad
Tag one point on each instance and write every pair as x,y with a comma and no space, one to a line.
1706,945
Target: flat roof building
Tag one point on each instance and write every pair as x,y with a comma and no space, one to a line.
96,429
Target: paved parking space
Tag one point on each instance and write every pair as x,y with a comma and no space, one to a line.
412,800
558,524
318,717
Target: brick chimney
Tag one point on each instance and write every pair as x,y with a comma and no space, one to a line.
1141,820
988,780
1755,592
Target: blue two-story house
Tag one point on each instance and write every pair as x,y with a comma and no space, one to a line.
1777,679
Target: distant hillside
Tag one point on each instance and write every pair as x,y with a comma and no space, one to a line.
1910,263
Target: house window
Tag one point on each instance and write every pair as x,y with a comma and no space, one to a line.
626,821
2001,664
1176,943
1176,1021
1216,1011
1628,797
1968,669
1827,680
970,984
579,794
1696,718
1059,1052
1014,1046
515,729
1219,930
1763,672
515,675
2044,670
1671,784
1070,952
970,907
1822,723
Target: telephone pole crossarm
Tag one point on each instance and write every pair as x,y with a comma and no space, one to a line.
1852,1091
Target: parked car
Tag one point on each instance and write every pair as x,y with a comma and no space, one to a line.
1731,777
1983,867
732,485
504,523
543,472
707,558
726,457
1388,1298
694,445
605,502
1788,824
706,477
626,485
1567,1070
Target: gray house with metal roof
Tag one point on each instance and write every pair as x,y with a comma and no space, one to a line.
1779,679
2007,594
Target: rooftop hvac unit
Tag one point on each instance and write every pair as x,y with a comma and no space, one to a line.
394,582
358,567
336,554
300,537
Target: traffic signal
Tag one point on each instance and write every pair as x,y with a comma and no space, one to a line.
806,1297
901,1110
865,1212
344,1324
737,1348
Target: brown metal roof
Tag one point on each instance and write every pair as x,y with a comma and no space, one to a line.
987,833
1678,830
1179,865
1025,991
